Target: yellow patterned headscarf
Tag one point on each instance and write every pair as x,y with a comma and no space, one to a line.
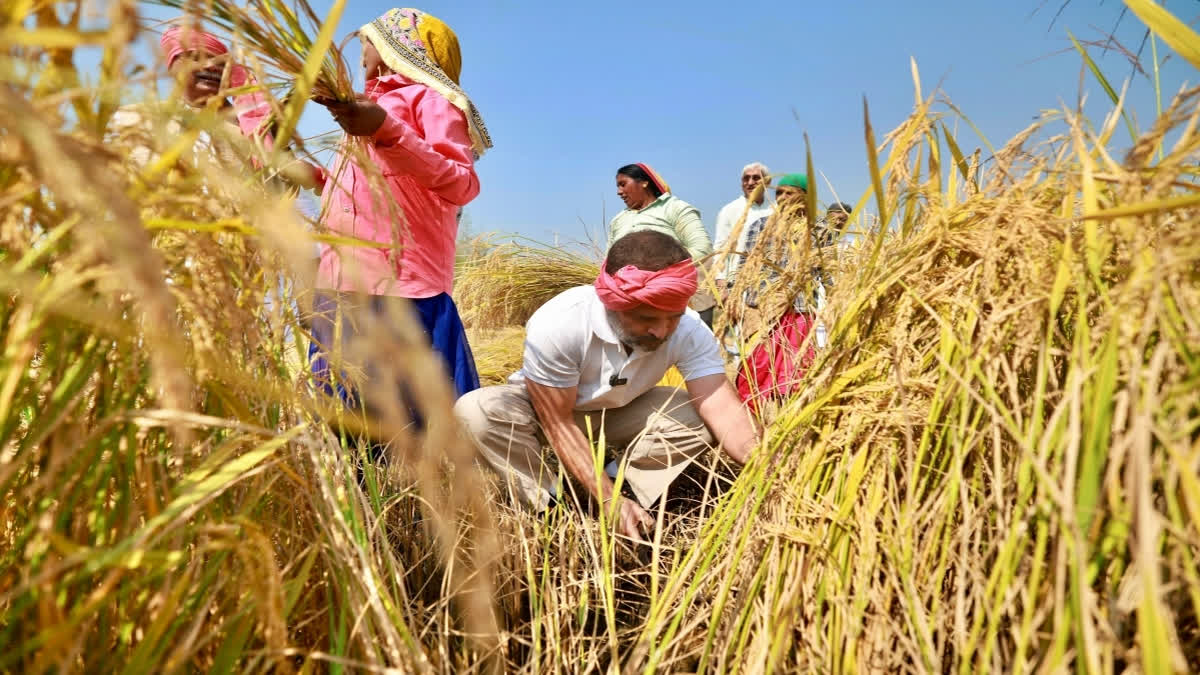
421,47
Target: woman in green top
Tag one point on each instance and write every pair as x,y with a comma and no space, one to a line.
651,206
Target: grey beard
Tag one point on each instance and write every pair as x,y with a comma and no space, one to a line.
627,340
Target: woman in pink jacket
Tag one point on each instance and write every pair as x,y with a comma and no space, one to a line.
422,135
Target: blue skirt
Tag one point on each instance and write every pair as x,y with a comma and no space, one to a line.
438,315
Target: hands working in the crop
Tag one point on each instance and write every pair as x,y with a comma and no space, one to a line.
593,358
360,117
712,397
555,408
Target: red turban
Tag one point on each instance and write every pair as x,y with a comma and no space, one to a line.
669,289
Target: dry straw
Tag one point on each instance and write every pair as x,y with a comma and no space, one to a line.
992,466
508,281
498,353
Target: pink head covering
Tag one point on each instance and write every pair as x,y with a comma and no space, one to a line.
179,40
668,289
251,108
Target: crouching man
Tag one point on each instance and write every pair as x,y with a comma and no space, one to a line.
593,355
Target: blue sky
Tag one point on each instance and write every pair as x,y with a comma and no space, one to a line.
571,91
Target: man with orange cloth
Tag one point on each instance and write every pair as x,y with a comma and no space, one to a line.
593,357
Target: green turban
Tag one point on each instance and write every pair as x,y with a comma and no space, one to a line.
794,180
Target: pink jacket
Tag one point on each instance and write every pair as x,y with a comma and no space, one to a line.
423,150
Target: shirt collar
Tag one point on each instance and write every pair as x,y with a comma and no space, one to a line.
661,198
599,320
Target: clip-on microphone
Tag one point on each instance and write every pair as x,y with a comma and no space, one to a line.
615,381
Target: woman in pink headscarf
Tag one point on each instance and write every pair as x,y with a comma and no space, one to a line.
201,66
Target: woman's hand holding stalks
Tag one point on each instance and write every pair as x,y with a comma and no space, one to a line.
360,117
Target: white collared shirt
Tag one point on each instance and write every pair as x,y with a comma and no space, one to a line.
727,219
569,343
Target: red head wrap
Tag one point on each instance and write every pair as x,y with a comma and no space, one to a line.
668,289
655,178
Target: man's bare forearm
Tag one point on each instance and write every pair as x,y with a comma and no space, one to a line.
731,424
575,453
555,410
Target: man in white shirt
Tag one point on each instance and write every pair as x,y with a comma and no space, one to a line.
593,357
753,175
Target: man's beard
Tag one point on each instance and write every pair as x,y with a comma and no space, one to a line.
647,343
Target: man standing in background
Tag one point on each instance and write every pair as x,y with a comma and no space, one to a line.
753,175
832,227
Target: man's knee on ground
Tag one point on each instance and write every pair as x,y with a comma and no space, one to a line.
470,411
487,410
678,417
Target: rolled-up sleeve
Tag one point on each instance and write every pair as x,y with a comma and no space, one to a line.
551,359
438,155
699,355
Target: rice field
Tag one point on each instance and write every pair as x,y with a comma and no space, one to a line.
994,466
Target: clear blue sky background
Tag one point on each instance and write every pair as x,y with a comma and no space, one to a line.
572,90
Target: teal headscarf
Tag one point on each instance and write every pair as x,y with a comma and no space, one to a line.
798,180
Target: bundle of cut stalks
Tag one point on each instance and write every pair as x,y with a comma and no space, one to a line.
507,284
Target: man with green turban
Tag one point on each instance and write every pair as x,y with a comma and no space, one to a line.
791,192
776,366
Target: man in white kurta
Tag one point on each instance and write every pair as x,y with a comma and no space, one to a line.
752,205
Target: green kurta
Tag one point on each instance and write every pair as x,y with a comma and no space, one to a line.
670,215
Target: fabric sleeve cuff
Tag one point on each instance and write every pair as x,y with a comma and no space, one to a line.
703,372
549,382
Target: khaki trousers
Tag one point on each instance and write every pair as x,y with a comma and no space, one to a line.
660,431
